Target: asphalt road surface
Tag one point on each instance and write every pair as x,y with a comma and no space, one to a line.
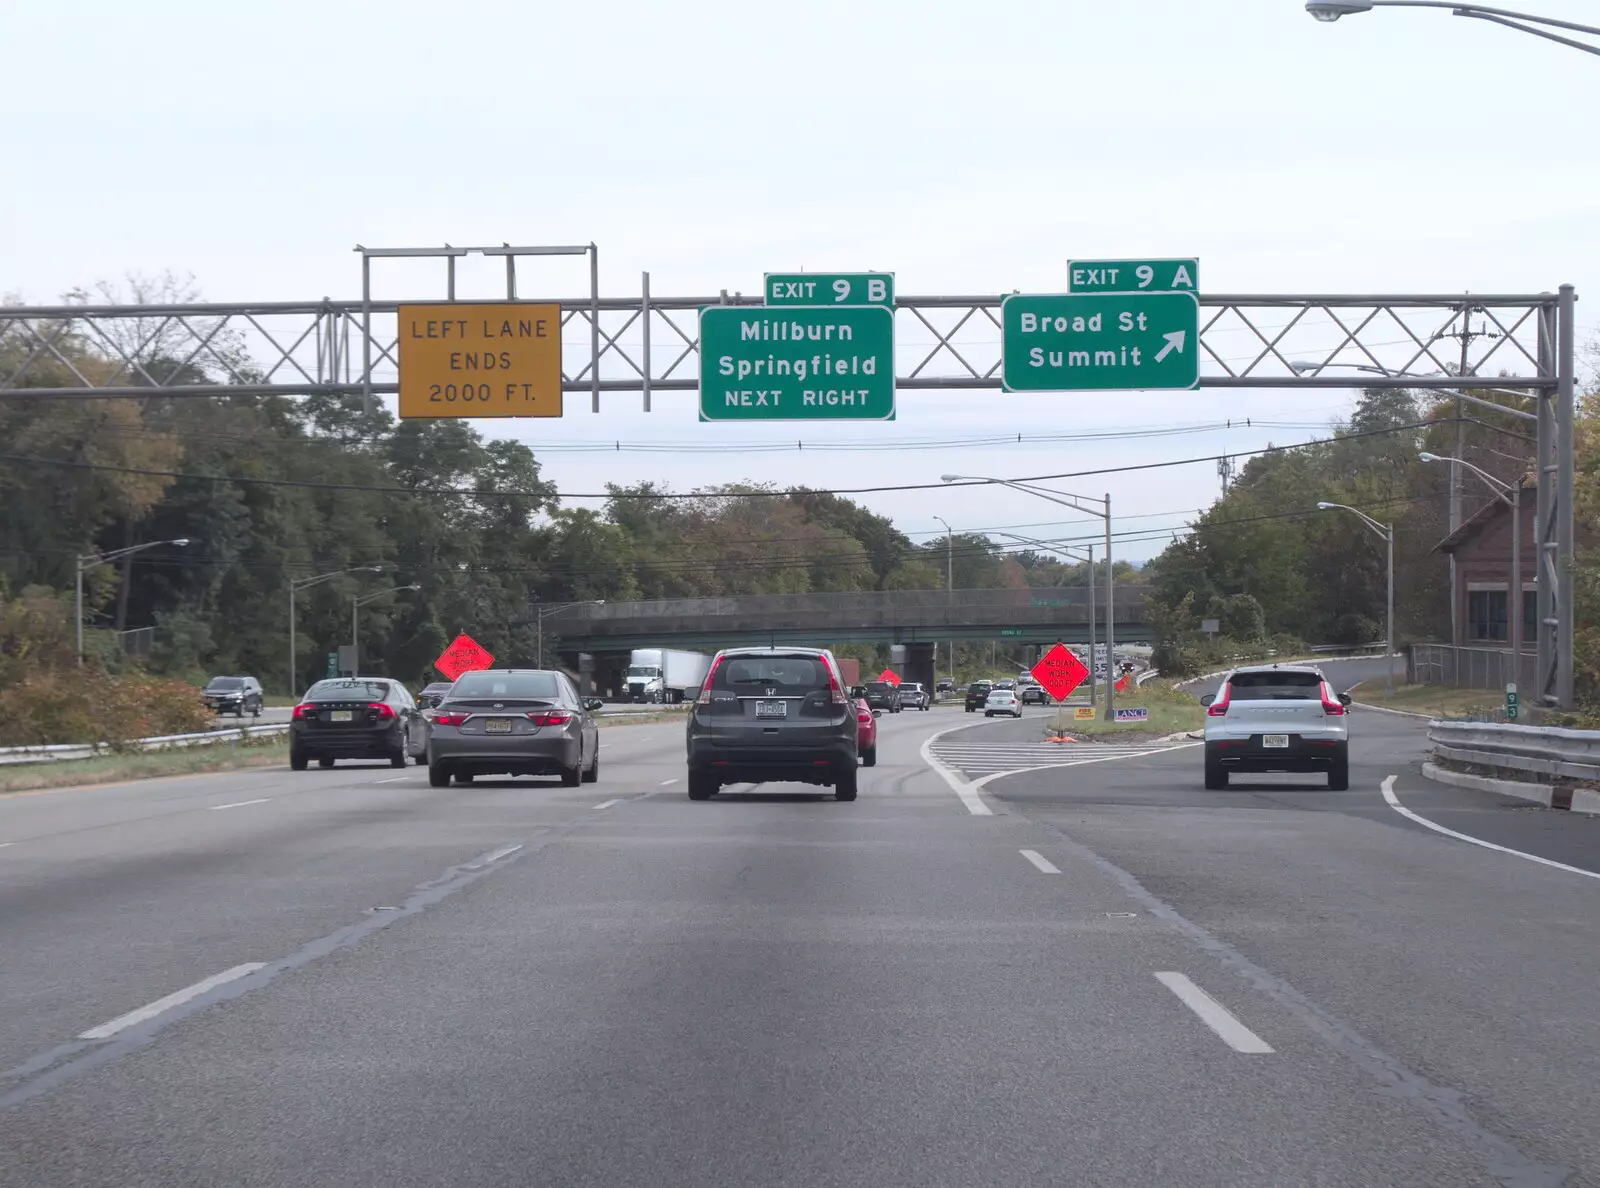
1089,974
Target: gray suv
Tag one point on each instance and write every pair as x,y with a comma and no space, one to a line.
1281,717
772,714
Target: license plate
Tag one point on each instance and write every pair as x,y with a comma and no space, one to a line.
772,709
1275,740
497,726
341,715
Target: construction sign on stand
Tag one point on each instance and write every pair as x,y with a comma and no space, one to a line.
1060,672
464,654
891,676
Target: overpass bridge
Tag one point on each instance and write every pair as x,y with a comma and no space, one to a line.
608,632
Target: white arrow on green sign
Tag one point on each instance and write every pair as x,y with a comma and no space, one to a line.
1068,342
1133,276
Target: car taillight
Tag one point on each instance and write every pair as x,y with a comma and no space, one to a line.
381,709
443,719
863,715
705,686
1330,703
301,710
835,689
550,717
1219,707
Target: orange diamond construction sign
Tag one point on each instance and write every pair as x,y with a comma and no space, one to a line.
464,654
1060,672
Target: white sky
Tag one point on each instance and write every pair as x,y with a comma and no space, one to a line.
968,148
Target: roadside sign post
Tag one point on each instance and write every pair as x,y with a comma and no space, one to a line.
1060,672
1067,342
801,363
464,654
1511,703
1133,276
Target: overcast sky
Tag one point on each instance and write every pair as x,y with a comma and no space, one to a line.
968,148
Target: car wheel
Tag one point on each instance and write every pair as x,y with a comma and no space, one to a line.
463,777
1339,773
869,757
701,785
297,759
591,774
987,714
438,775
327,762
1216,776
845,786
571,777
398,759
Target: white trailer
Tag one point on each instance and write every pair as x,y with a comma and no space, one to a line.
665,676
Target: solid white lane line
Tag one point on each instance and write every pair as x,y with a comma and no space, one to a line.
494,856
3,845
1039,860
151,1010
1214,1015
1394,803
605,804
960,787
395,780
664,783
240,803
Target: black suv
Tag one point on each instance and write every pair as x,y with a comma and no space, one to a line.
882,695
236,695
977,694
1034,695
772,714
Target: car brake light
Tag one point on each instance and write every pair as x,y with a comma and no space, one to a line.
444,719
300,711
1219,707
381,710
863,716
550,717
836,690
705,686
1330,703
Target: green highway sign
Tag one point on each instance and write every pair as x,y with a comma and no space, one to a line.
828,288
1073,342
1011,631
801,363
1133,276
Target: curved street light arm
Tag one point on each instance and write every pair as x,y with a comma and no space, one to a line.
1498,16
1382,531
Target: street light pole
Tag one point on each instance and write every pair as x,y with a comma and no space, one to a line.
1509,494
1332,10
1077,503
86,561
295,586
1387,533
1056,547
949,585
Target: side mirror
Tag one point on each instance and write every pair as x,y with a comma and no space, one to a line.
877,713
1208,699
1345,699
593,703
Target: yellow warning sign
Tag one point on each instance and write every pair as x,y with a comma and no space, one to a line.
1083,713
460,360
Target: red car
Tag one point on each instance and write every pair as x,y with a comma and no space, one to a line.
866,734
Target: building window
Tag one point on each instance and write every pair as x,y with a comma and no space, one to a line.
1486,615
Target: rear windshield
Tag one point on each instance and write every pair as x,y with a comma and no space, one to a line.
539,686
777,672
348,690
978,687
226,683
1276,686
878,686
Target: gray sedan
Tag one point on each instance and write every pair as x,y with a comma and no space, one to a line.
513,722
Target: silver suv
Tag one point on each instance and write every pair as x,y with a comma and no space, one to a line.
1280,717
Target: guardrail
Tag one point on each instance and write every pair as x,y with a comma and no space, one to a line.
1546,753
58,752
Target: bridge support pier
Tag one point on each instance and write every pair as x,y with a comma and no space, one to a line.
920,665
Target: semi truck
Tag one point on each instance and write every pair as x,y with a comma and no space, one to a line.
665,676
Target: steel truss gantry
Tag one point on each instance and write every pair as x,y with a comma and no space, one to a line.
645,344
